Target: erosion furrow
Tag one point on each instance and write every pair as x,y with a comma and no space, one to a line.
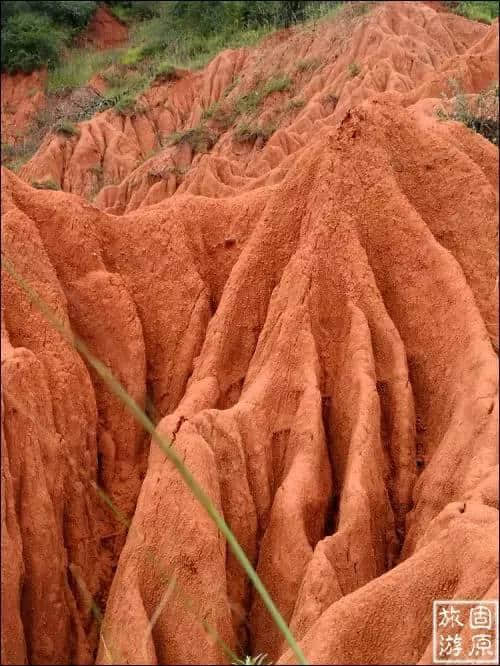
309,321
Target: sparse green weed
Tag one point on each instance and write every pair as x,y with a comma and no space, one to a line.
259,660
246,132
479,114
78,68
295,103
66,128
276,84
308,65
484,12
45,185
354,69
201,138
166,72
249,102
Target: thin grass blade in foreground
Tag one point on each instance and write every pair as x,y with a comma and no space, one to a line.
166,446
169,581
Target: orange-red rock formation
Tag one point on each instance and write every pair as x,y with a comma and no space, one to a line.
104,31
22,95
315,324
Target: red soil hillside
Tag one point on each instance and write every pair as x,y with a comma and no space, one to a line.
104,31
315,322
22,95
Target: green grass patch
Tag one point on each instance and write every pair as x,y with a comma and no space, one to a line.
479,114
484,12
295,103
222,116
353,69
166,72
126,104
34,34
317,12
187,44
66,128
125,86
132,56
276,84
308,64
45,185
247,132
78,68
201,138
30,41
249,102
131,12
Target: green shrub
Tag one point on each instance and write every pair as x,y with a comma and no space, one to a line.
30,41
129,12
191,33
73,14
77,69
484,12
45,185
66,128
295,103
132,56
34,32
126,104
354,69
153,49
200,138
166,72
125,88
209,17
276,84
277,14
221,116
248,102
479,114
250,133
308,65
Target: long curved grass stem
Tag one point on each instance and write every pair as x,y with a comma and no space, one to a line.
166,446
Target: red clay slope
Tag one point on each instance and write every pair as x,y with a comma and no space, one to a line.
314,324
104,31
22,95
411,51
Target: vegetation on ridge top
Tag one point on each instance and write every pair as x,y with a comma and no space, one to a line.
164,38
36,33
483,11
